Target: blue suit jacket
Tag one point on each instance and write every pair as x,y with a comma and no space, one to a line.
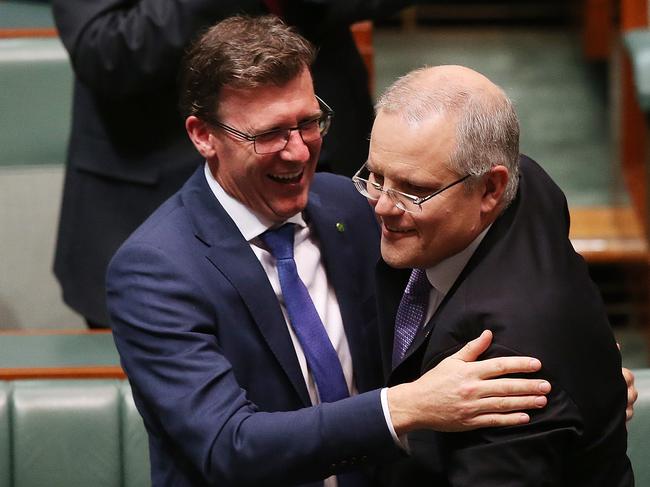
207,351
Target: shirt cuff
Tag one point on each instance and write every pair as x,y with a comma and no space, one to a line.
400,441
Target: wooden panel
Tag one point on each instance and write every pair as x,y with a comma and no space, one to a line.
608,234
597,29
28,32
632,130
633,143
634,14
86,372
362,33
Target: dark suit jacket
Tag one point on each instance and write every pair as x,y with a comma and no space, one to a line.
206,348
527,285
128,149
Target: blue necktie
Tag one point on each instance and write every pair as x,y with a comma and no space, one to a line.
411,313
321,357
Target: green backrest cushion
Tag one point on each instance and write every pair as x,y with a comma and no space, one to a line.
17,14
637,43
5,439
66,433
135,448
638,439
58,350
35,101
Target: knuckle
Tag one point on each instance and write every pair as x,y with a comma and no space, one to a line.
466,391
501,367
503,404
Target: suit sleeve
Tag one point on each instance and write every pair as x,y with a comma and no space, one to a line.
187,392
125,47
530,455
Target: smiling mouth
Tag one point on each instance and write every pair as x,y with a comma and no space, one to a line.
397,230
291,178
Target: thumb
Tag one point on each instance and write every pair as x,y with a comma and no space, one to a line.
474,349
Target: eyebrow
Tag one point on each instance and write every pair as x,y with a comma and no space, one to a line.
273,128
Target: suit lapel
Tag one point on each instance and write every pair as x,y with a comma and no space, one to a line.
390,287
231,254
341,266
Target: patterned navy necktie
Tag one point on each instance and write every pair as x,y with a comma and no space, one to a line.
320,354
411,313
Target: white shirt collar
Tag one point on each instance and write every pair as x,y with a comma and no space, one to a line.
443,275
249,223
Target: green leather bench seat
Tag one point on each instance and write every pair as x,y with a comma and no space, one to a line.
16,14
35,101
638,438
57,350
71,433
637,43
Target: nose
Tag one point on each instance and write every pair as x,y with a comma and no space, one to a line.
385,206
296,149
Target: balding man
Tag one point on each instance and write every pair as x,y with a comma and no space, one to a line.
475,236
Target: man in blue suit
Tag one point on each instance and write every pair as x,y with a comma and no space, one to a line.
227,368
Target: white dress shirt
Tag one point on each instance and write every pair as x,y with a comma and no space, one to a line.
443,275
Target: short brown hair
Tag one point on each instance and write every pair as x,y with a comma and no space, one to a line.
240,52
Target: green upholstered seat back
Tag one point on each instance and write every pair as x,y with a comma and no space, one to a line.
637,43
35,101
638,440
25,14
71,433
66,433
135,449
5,451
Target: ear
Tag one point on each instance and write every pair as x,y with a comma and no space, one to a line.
495,185
201,136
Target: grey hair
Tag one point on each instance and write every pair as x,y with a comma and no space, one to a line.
487,127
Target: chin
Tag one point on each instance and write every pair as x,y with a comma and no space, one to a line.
394,259
288,210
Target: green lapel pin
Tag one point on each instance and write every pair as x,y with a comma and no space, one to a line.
340,227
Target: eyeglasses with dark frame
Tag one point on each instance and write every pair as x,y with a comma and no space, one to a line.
277,139
363,181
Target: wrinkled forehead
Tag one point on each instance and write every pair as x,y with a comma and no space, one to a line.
399,145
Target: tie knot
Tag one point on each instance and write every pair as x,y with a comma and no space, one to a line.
418,283
280,241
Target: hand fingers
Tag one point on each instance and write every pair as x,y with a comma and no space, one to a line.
473,349
495,367
497,420
632,396
507,387
503,411
491,405
629,377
